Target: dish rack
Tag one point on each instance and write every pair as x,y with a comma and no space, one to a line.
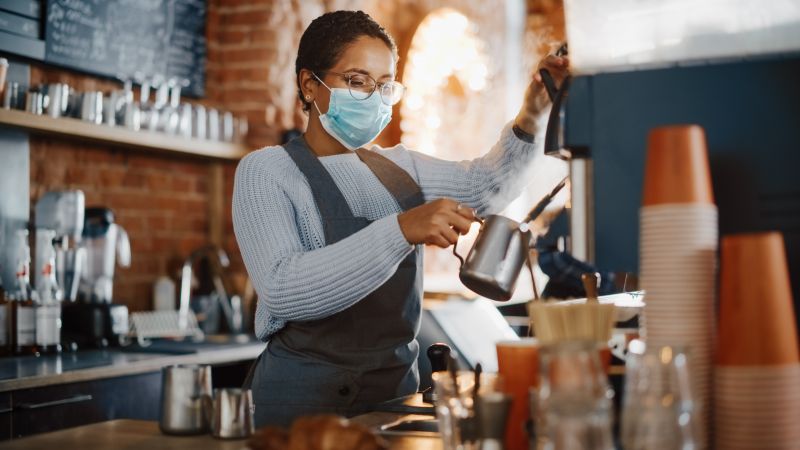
146,325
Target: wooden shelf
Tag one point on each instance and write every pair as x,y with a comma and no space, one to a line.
73,128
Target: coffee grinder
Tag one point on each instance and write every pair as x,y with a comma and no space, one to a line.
58,261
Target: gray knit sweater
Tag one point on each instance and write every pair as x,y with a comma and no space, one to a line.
279,231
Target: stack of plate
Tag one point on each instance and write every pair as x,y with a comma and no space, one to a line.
678,250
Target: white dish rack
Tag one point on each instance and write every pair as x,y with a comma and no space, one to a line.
146,325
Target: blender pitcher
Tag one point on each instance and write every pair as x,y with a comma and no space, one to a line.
106,245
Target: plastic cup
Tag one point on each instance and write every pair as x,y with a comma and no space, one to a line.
518,368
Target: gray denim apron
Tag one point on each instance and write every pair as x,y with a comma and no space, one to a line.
364,355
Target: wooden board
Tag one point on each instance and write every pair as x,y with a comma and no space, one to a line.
145,140
124,433
139,434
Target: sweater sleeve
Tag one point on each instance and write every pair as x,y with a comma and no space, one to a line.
487,184
295,284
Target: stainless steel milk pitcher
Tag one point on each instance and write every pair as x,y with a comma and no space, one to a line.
501,249
185,399
493,264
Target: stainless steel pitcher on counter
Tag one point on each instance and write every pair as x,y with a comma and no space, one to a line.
185,399
502,247
233,413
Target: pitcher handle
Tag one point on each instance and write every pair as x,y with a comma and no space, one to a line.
478,219
455,252
529,263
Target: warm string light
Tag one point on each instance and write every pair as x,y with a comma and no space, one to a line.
447,79
445,61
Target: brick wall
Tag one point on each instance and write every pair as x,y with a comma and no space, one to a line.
252,46
162,201
545,25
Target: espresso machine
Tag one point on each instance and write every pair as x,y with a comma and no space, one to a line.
94,320
581,169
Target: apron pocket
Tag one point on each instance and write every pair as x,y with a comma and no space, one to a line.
300,382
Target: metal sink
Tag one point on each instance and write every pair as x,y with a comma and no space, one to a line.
189,346
421,427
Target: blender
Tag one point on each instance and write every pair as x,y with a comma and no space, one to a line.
94,320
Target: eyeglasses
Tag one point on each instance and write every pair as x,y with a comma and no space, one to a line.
362,86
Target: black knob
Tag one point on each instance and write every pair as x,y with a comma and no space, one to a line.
438,355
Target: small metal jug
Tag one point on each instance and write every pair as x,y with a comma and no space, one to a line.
502,247
185,399
493,264
233,414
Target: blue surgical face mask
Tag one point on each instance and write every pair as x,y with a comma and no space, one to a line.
354,123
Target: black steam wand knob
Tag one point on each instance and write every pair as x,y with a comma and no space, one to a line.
439,357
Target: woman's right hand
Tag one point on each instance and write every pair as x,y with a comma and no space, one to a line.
438,223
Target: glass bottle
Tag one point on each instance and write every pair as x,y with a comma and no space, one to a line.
575,399
23,313
47,305
5,322
659,406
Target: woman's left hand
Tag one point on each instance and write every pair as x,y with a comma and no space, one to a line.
536,99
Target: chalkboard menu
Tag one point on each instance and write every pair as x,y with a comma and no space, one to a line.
123,38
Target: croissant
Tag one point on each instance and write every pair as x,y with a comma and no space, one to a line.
320,432
269,438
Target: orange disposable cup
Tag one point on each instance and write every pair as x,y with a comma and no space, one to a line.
677,168
756,314
518,367
604,353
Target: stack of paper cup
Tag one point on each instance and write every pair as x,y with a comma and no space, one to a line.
678,245
757,376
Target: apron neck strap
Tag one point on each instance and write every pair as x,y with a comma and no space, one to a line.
329,199
396,180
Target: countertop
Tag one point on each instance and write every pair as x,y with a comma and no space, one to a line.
138,434
26,372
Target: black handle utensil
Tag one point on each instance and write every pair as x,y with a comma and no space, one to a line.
547,79
539,208
438,355
452,367
552,137
477,382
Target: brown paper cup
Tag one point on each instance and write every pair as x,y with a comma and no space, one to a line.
756,314
677,169
518,365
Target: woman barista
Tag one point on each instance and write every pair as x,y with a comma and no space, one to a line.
331,233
